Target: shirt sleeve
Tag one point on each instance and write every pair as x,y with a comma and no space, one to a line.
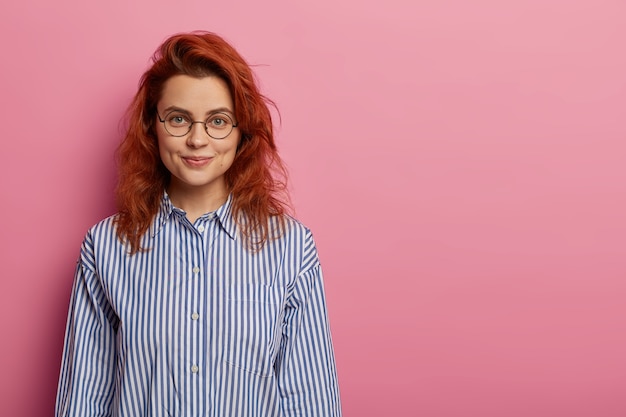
305,365
86,383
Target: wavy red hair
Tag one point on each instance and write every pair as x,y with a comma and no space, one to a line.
257,177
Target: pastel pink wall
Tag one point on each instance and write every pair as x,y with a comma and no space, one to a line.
461,163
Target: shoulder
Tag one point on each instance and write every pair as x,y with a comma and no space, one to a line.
296,238
294,224
100,236
289,227
103,229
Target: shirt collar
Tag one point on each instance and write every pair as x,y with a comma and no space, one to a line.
223,213
225,216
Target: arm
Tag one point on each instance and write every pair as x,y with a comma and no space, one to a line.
86,383
305,365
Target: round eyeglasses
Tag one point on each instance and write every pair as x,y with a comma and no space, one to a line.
217,125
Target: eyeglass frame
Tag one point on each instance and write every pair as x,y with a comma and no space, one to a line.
192,122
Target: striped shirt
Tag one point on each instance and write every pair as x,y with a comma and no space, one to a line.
197,325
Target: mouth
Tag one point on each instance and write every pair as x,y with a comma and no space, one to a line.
196,161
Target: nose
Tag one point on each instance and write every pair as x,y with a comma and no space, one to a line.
198,137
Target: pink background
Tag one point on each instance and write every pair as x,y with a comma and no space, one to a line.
461,163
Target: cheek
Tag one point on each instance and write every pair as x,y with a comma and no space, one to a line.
160,145
228,151
162,152
226,161
165,155
166,146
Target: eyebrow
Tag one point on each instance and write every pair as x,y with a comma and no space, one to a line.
170,109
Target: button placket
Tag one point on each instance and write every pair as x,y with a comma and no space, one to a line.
197,285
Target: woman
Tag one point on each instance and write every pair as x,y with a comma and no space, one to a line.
201,297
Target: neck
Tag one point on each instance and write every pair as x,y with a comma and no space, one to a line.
197,202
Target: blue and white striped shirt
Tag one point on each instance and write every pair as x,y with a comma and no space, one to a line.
198,325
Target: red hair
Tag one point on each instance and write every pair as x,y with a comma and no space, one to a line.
257,177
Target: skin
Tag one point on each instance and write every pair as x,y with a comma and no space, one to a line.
196,161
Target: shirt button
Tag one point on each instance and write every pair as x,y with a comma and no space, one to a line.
194,369
200,228
196,269
195,316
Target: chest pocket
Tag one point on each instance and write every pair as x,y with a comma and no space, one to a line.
253,316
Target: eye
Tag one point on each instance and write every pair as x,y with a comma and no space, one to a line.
177,120
219,121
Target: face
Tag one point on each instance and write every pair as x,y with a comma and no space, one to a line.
196,161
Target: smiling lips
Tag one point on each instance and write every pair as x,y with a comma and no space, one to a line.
197,161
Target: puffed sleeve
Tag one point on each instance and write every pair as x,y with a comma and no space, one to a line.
305,366
86,383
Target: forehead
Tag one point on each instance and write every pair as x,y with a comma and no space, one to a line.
197,95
